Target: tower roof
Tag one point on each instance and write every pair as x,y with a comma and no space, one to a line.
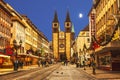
73,30
67,17
55,17
59,28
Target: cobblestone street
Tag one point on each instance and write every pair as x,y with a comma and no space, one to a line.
58,72
69,72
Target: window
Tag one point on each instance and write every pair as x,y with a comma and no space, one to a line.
67,24
55,24
11,35
88,40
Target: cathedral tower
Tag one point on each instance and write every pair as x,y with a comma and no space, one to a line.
62,39
55,36
68,25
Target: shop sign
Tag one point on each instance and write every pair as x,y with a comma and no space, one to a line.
9,51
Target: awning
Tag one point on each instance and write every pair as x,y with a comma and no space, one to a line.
1,55
30,55
106,49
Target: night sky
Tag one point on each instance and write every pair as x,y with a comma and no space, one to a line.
41,13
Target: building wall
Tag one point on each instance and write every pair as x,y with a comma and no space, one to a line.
45,45
39,41
28,40
104,11
18,33
14,26
105,24
68,45
55,45
61,42
81,40
5,25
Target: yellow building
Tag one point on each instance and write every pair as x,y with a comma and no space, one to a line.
36,43
106,33
82,44
5,26
62,40
5,35
17,28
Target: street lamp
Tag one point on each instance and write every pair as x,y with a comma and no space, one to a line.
16,47
20,42
84,47
93,57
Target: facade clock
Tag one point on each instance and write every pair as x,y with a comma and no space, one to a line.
61,45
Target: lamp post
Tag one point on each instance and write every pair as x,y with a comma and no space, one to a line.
16,47
93,57
84,47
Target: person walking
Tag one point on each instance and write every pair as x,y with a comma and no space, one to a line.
15,64
38,63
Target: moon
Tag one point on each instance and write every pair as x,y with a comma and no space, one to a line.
80,15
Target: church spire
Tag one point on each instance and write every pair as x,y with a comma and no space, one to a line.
67,17
73,30
59,29
55,17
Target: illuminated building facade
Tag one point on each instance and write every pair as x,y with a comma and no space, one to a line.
62,40
107,34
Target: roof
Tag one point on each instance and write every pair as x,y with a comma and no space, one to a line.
86,28
55,17
67,17
73,30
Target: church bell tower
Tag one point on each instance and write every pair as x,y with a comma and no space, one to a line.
68,25
55,36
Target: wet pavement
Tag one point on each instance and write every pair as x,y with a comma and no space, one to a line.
69,73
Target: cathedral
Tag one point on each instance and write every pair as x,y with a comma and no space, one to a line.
62,40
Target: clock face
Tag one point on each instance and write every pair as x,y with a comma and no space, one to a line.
55,25
61,45
68,24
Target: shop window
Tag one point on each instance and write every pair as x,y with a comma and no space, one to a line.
105,60
88,40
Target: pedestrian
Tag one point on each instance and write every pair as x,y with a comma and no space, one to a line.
21,64
84,63
42,62
89,63
15,64
38,63
94,67
65,62
77,64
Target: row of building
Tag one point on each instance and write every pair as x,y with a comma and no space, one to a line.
19,37
100,38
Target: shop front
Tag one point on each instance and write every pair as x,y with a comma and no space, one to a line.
115,60
34,59
104,60
5,61
109,59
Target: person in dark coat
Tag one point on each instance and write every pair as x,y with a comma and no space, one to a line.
15,64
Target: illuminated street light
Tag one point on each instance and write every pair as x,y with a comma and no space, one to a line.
16,47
